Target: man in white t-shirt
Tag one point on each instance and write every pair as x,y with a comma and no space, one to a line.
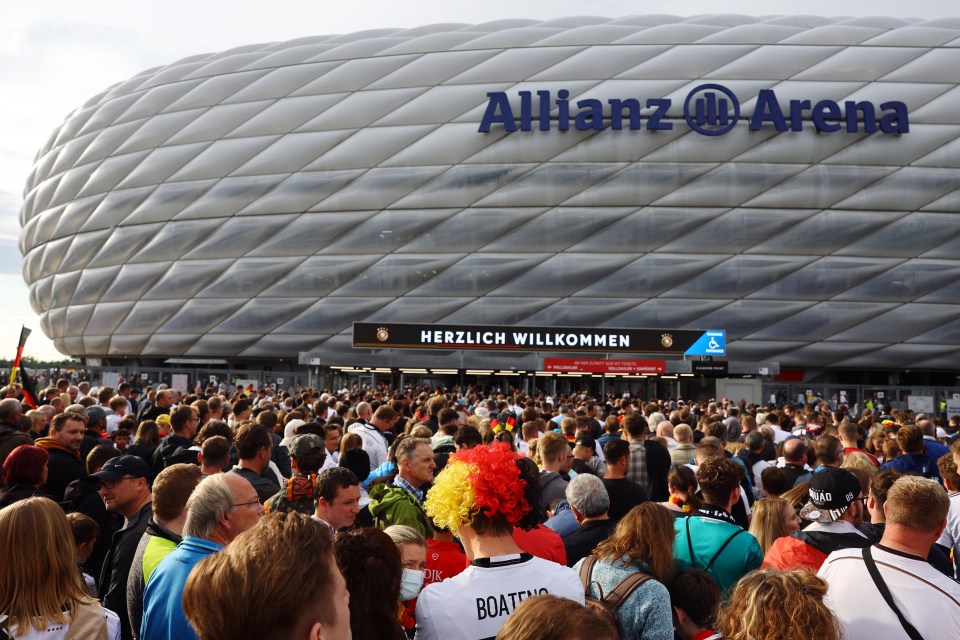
916,512
374,442
499,491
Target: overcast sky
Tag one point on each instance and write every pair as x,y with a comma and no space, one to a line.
54,55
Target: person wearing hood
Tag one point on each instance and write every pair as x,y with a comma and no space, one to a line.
63,446
307,455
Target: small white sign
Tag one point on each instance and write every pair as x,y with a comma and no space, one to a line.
110,379
880,395
279,381
920,404
180,382
953,406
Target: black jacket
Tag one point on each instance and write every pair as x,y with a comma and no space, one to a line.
17,492
83,496
168,446
62,469
112,586
581,542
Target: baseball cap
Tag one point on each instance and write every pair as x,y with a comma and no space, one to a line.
121,466
586,440
832,490
95,414
301,446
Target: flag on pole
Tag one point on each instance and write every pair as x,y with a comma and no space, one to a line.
24,334
29,389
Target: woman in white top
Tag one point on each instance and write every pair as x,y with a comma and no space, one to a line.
42,595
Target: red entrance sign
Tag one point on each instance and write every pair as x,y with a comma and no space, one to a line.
604,366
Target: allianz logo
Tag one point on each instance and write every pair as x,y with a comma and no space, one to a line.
709,109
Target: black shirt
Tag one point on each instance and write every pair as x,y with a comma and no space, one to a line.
624,495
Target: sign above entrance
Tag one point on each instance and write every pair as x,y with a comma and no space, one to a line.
604,366
394,335
707,369
711,343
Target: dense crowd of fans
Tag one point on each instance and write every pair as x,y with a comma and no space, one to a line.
435,514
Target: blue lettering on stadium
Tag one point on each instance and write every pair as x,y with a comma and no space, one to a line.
709,109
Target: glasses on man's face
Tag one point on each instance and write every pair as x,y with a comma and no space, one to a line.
246,504
110,484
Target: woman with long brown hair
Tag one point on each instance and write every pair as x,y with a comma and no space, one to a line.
370,563
641,543
43,589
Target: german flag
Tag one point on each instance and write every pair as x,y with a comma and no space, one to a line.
29,389
24,334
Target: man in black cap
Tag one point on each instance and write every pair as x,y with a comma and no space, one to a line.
124,489
835,510
585,456
95,426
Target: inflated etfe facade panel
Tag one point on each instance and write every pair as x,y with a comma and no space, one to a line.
792,180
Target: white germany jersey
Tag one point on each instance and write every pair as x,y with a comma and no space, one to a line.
474,604
929,600
951,535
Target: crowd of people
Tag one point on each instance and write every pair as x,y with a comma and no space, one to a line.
370,513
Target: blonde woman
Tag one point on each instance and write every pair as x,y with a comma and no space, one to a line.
42,594
773,518
756,609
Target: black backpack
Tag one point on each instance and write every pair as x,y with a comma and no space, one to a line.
608,605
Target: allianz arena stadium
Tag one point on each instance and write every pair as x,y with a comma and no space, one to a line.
791,180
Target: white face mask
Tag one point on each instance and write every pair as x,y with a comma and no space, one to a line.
410,583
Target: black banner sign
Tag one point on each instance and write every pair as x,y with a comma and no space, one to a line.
710,369
392,335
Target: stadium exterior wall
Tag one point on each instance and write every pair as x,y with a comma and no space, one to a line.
253,203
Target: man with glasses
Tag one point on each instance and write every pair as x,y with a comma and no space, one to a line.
221,507
835,510
124,489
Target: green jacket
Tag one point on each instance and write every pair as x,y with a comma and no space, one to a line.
391,505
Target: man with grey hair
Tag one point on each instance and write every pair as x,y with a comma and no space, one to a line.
221,507
590,503
401,501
